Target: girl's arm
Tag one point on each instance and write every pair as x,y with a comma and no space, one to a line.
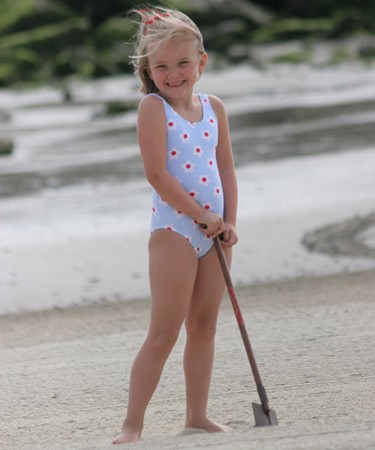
153,144
225,160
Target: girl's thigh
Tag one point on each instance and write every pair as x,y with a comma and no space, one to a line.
209,287
173,266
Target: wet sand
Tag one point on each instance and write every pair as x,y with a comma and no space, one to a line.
298,217
65,372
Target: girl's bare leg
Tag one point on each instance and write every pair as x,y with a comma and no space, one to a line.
173,268
200,344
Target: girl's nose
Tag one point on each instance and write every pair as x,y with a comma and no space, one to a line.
173,72
173,75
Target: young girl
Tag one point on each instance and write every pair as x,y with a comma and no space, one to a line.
187,156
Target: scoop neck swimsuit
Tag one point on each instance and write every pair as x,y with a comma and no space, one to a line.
191,159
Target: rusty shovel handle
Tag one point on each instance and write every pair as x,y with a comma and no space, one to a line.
241,324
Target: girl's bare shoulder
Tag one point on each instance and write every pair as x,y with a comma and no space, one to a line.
151,106
218,106
150,101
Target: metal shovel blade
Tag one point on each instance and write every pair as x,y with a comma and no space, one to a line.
262,418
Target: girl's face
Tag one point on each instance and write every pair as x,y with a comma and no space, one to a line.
176,67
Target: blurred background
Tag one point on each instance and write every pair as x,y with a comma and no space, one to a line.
298,81
61,44
48,40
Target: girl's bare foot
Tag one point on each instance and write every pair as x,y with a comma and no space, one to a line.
208,425
126,437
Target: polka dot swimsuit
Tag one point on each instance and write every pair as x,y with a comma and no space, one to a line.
191,159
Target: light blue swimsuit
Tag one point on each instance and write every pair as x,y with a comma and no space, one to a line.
191,159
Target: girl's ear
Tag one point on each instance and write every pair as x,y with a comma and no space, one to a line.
202,62
149,73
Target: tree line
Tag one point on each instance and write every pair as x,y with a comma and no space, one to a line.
44,40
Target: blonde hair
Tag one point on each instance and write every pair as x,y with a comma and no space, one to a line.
156,26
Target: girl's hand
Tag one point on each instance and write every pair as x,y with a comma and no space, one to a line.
230,236
211,224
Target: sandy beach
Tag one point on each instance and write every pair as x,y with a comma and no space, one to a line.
74,296
65,372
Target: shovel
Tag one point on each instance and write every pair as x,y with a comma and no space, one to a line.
262,413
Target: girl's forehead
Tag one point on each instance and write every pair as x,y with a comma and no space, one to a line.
176,45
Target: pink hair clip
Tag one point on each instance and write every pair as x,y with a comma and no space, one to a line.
151,17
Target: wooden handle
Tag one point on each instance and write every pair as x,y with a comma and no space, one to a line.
241,324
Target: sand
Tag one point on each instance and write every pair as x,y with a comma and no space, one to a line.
64,373
65,368
297,217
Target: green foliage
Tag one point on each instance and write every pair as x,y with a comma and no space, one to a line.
317,8
26,14
367,53
293,28
53,39
113,31
47,37
6,148
119,107
42,40
340,55
294,57
99,11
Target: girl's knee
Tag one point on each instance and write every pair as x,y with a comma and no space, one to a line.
163,340
204,328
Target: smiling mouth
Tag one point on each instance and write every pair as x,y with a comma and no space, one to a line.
176,84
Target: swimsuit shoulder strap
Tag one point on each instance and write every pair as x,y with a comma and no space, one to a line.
167,106
206,104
